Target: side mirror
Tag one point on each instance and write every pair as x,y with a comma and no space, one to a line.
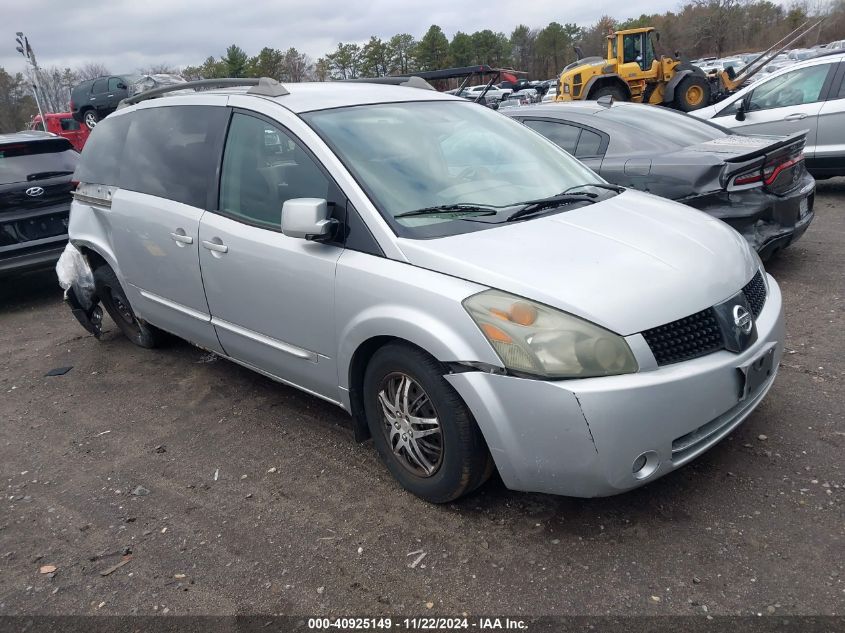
121,86
740,110
307,219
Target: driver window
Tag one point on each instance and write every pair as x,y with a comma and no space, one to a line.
794,88
262,168
648,58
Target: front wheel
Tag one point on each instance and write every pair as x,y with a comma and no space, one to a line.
91,119
422,429
692,93
612,90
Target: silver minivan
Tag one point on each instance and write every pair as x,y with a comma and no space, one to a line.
472,295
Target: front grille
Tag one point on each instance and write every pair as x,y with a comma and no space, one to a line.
700,334
685,339
755,294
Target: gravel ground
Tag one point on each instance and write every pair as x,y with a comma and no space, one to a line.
235,495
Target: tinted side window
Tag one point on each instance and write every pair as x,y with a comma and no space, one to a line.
841,94
561,134
69,125
100,86
114,83
588,144
262,167
171,152
101,157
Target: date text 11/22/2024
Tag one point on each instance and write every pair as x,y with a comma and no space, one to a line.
417,624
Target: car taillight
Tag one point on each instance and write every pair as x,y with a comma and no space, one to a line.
773,169
748,178
768,173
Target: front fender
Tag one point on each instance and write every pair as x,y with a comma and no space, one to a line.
378,297
609,76
669,90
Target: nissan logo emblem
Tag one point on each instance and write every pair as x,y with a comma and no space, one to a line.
742,319
35,191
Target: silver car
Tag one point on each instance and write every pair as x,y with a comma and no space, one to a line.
809,95
471,294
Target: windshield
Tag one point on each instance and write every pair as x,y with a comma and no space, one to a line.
675,127
411,156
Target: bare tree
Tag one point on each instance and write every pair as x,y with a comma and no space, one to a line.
159,69
92,70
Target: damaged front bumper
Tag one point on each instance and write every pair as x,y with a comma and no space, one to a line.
583,438
769,222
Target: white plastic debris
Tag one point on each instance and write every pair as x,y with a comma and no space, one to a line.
73,272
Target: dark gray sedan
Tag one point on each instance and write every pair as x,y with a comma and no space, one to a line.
757,184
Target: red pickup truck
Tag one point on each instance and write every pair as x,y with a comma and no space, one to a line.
63,124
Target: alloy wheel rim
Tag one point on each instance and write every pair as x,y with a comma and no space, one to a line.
90,121
411,425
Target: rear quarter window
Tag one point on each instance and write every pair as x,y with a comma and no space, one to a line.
103,152
172,152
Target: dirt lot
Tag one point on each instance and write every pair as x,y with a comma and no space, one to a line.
236,495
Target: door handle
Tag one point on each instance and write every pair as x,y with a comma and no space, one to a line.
180,238
797,116
215,246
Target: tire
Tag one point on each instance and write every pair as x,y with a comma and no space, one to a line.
692,93
91,118
613,90
117,305
455,451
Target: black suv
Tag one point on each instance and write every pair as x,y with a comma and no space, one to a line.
95,99
36,170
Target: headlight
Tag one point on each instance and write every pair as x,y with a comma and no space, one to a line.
535,339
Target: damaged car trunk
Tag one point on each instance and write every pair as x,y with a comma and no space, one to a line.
36,172
757,184
763,190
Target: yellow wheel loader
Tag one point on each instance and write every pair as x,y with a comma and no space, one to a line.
632,71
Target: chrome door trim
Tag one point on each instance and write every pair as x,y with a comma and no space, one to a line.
200,316
286,348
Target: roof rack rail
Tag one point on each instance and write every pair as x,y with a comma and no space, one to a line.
409,81
264,86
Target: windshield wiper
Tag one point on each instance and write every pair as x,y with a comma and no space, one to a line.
567,196
450,209
48,174
533,206
598,185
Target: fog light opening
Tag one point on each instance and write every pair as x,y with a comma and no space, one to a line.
645,465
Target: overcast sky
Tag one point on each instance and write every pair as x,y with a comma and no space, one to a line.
129,34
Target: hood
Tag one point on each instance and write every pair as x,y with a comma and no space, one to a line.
707,112
629,263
